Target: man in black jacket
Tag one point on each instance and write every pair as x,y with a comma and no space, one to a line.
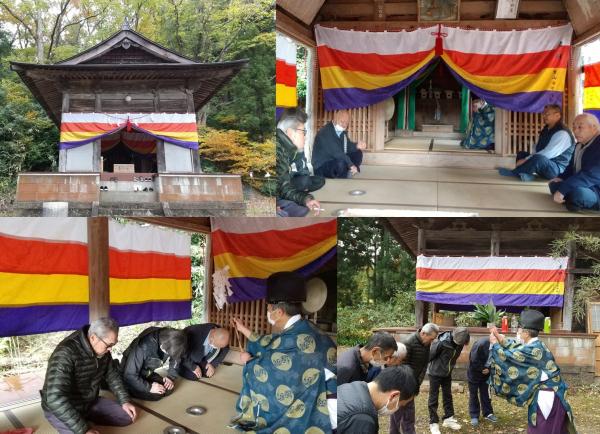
417,357
353,365
148,352
77,367
478,373
208,345
444,353
360,403
334,154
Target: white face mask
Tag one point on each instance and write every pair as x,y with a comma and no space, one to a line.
377,363
519,339
385,411
339,128
271,321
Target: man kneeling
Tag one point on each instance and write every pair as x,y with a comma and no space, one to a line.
77,367
148,352
208,345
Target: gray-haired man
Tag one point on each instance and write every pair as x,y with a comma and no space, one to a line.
75,371
417,357
292,201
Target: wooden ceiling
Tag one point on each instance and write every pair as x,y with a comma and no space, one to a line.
380,15
472,236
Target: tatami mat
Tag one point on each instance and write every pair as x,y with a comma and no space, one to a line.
483,192
228,377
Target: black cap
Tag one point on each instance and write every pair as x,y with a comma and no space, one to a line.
286,286
532,319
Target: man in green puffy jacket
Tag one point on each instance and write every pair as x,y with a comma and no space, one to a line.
77,367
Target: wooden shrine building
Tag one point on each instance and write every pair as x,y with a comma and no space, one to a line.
126,109
423,124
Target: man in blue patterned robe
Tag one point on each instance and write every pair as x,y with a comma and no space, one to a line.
289,384
526,374
480,132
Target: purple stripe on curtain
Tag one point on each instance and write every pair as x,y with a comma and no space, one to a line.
498,299
595,112
351,97
529,102
28,320
182,143
78,143
251,288
127,314
470,307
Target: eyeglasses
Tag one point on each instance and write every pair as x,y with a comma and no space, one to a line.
108,346
303,131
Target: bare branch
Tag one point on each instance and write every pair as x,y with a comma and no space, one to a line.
19,19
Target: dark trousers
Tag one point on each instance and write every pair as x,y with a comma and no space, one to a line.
579,198
103,412
288,208
403,420
434,387
479,392
339,168
308,183
148,396
538,164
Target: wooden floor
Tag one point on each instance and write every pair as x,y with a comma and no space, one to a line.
217,394
429,191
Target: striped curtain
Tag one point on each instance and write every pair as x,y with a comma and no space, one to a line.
514,70
507,281
78,129
150,274
253,249
591,89
285,74
137,142
43,275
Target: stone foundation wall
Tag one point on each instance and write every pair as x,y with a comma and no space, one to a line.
62,187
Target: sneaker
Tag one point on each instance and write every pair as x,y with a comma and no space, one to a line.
451,423
506,172
492,417
434,428
526,177
474,421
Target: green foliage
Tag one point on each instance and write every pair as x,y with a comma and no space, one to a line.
487,313
355,323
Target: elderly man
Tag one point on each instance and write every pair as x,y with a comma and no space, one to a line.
148,352
444,353
293,200
417,357
553,150
334,154
525,373
77,367
208,345
353,365
360,404
578,187
289,385
478,373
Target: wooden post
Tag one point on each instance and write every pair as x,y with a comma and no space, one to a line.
568,297
97,153
208,272
99,305
495,243
574,86
420,308
160,156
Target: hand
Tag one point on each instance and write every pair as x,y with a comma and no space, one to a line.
521,161
361,145
493,339
558,197
555,180
168,383
130,410
485,371
157,388
353,170
198,372
210,370
235,322
92,431
314,205
245,357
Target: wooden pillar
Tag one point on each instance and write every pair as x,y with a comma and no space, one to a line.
574,87
208,281
99,305
196,167
96,156
62,153
569,290
379,127
160,156
420,306
495,243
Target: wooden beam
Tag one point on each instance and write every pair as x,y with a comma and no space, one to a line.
190,224
292,28
567,317
587,36
99,305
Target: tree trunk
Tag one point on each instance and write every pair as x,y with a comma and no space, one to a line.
39,40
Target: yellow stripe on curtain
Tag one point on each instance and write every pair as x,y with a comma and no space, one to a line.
489,287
